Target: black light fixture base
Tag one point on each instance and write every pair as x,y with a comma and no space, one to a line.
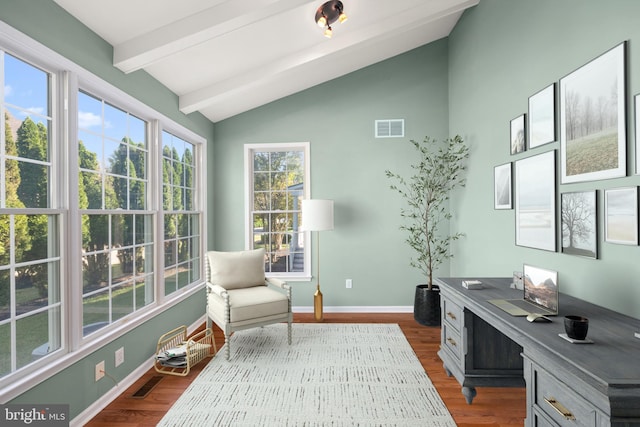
331,10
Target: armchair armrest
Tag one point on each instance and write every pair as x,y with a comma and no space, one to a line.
216,289
277,282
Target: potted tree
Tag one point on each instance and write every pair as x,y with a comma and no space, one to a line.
439,168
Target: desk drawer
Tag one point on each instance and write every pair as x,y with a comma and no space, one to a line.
452,341
561,404
452,314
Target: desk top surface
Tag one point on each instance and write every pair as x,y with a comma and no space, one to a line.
613,360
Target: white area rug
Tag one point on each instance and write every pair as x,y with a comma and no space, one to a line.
331,375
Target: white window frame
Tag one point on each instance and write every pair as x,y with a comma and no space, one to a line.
200,156
70,77
305,275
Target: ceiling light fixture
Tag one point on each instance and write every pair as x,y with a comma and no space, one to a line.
329,13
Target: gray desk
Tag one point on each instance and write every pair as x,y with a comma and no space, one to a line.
567,384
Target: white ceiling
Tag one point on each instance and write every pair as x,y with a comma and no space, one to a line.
224,57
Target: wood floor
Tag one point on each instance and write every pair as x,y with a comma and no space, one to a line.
492,406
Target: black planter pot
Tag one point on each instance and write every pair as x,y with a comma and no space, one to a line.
426,307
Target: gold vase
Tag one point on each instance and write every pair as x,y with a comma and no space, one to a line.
317,304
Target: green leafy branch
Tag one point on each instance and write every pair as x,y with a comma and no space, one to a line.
439,169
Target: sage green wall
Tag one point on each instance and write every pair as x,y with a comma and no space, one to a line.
347,165
47,23
502,52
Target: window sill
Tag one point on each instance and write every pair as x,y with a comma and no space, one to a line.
290,279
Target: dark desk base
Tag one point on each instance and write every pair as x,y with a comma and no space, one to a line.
567,384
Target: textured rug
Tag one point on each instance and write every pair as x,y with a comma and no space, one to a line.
331,375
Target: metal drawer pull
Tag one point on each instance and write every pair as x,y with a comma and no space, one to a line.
452,342
451,315
560,408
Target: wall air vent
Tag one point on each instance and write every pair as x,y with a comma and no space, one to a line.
393,128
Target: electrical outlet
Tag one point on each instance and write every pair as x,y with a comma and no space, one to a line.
99,370
119,357
349,283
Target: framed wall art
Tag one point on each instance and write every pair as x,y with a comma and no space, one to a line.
542,117
621,215
535,201
592,119
502,187
579,223
518,135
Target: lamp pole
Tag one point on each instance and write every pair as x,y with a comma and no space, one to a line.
317,215
317,296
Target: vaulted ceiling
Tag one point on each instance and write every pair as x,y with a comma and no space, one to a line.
224,57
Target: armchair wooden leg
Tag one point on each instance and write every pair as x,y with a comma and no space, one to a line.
289,331
227,346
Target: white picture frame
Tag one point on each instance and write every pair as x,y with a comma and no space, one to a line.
542,117
502,187
535,201
621,215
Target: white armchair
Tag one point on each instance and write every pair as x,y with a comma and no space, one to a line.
239,296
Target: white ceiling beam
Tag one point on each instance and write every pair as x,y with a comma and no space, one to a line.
170,39
402,22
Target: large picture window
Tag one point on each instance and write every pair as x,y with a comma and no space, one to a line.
100,227
277,177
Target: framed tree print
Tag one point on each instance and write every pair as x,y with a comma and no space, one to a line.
518,135
535,201
621,215
579,223
502,189
592,119
542,117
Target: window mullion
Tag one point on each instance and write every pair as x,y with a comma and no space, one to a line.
73,244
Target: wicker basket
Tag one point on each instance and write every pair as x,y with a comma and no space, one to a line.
197,347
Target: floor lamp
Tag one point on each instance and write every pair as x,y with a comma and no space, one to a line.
317,215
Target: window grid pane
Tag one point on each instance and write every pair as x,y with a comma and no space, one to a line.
181,220
113,175
278,186
30,292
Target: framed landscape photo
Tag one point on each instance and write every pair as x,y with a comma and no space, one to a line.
542,117
518,135
621,215
579,223
592,119
535,201
502,187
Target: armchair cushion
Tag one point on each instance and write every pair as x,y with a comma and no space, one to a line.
236,270
250,303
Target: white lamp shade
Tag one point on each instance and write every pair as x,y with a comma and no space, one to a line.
317,215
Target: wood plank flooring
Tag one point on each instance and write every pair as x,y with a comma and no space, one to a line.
491,407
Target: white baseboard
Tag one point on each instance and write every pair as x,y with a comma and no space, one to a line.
357,309
97,406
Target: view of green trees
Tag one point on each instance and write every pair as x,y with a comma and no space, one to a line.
116,222
27,172
278,183
180,227
26,186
